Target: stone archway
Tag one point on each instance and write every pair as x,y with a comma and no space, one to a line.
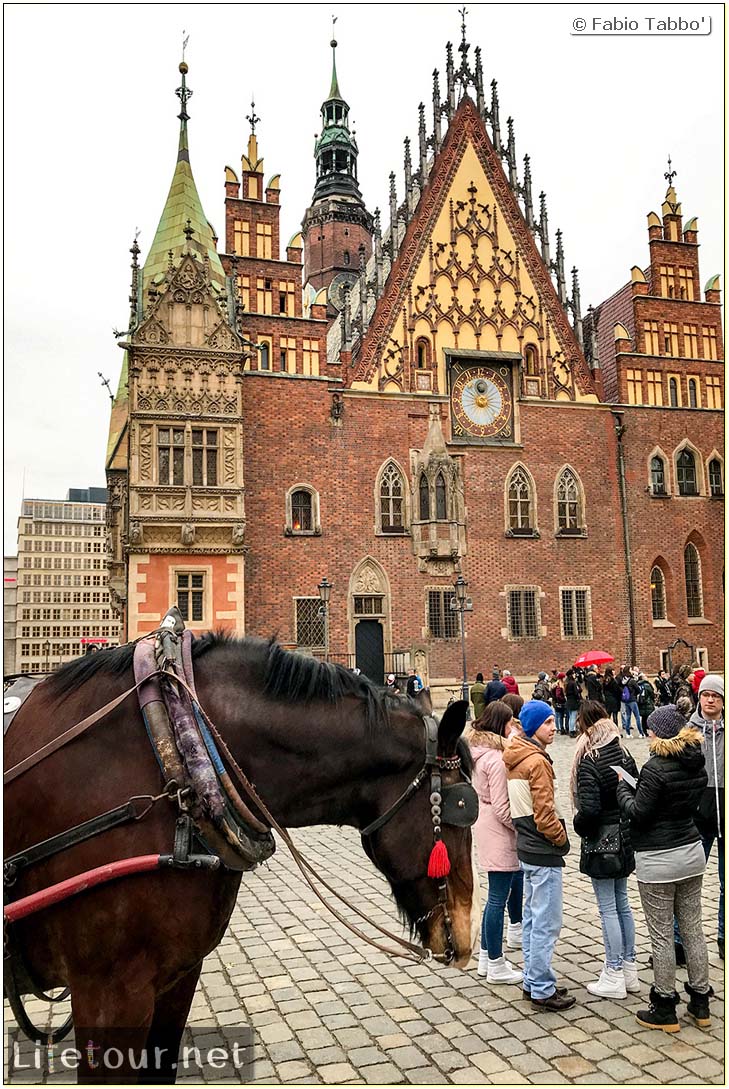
369,616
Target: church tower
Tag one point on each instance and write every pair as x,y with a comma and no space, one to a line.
337,228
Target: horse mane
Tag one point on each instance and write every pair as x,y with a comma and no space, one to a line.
284,675
295,677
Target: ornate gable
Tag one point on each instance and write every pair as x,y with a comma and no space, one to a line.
183,310
469,276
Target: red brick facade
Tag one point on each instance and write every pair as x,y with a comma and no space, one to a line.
607,557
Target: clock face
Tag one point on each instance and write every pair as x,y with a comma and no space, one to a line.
482,403
336,288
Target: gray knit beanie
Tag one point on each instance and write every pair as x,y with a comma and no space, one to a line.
666,721
712,683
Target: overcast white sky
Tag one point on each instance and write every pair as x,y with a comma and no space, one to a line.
91,136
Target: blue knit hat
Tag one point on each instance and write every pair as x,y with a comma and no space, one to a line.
534,714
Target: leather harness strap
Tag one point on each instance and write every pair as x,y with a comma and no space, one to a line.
133,810
69,735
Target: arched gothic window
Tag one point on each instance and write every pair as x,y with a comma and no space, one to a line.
531,360
716,482
424,497
441,499
658,594
692,575
521,518
422,353
658,476
692,393
301,512
686,473
569,514
392,500
673,392
265,357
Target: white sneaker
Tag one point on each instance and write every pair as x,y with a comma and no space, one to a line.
630,973
483,962
611,984
513,935
500,971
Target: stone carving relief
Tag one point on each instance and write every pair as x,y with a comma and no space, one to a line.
229,441
187,533
152,332
206,503
222,339
145,453
369,581
174,502
239,534
135,534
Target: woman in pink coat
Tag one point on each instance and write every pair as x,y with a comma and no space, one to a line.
496,842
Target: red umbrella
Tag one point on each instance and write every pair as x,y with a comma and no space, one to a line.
594,657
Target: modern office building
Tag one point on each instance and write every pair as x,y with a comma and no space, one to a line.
62,594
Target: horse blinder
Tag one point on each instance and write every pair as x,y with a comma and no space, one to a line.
459,805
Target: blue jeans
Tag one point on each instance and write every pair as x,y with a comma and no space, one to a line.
573,722
707,844
541,927
560,717
628,710
618,928
506,889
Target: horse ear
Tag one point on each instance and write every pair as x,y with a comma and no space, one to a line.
451,727
423,702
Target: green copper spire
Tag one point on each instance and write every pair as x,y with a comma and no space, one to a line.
183,224
336,150
334,91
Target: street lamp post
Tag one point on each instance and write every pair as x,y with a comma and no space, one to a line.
47,648
325,590
462,604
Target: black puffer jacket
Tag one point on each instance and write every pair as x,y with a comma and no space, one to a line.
611,691
573,694
597,807
670,786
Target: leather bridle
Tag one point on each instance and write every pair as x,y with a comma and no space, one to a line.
455,805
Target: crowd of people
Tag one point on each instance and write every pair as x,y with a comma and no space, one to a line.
627,693
659,823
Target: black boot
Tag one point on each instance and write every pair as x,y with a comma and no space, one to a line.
698,1006
661,1013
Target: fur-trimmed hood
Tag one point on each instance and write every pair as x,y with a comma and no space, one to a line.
685,746
483,739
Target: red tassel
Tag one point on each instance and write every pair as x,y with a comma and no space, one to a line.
439,864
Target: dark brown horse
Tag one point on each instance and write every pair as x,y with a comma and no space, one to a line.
322,746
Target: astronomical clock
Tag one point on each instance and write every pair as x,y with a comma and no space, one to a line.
482,402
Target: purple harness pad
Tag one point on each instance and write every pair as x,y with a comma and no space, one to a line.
188,738
144,664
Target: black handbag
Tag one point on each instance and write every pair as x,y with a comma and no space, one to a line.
608,841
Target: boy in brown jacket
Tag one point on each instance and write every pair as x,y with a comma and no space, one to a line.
541,843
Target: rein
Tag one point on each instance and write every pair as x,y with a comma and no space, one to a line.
410,951
75,731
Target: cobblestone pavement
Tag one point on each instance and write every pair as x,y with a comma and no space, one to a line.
325,1008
